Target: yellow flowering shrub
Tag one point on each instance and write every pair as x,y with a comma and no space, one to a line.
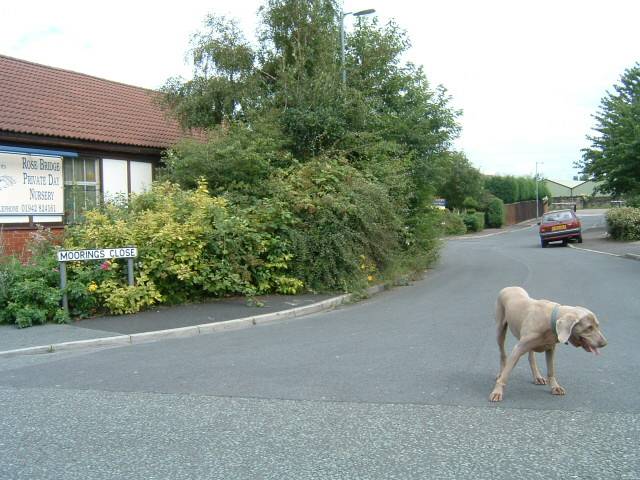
190,245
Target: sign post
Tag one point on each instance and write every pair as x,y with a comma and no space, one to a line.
86,255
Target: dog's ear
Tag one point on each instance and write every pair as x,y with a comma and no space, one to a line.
565,325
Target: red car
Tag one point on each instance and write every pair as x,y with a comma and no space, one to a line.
560,225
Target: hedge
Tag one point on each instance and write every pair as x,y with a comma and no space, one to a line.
624,223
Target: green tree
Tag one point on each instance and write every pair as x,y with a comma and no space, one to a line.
279,107
223,71
614,155
459,180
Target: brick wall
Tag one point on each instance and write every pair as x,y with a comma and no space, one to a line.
13,241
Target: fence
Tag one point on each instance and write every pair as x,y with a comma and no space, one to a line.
521,211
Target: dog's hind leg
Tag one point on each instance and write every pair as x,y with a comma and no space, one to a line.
538,379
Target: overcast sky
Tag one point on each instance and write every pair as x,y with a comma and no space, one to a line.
528,75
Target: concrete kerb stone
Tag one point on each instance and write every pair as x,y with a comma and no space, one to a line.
182,332
185,332
94,342
631,256
27,351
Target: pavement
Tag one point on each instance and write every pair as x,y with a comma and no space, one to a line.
161,323
596,239
233,313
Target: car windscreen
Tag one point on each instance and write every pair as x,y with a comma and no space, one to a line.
557,217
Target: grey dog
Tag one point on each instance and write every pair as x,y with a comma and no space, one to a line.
539,325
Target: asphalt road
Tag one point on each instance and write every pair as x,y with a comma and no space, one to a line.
392,387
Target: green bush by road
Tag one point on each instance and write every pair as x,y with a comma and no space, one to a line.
624,223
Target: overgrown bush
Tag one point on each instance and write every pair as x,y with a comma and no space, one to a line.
471,203
474,221
341,215
190,245
451,223
494,215
30,293
624,223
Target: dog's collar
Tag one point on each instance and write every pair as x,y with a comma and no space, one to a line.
554,320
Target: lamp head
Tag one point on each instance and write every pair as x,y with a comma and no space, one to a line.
364,12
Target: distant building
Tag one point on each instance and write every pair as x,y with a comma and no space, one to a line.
578,193
572,188
69,141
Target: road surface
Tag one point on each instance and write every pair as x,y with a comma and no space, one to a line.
392,387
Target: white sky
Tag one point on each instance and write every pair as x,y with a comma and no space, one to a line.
528,75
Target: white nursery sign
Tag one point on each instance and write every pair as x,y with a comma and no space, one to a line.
31,185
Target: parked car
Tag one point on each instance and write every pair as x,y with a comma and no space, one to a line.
560,225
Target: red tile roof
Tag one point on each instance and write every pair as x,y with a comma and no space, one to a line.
43,100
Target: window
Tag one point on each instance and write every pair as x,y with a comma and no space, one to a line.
81,186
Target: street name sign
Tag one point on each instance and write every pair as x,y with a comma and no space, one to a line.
99,254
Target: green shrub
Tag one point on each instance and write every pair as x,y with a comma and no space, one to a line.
190,246
451,223
30,293
624,223
495,213
474,221
340,216
471,203
633,201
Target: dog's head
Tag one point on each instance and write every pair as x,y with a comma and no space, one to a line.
581,328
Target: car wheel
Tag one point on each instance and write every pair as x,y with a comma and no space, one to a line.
543,243
580,239
565,242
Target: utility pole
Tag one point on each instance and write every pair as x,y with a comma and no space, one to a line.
537,201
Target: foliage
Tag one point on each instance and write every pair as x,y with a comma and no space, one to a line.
458,180
341,216
236,158
354,164
494,215
471,203
512,189
451,223
614,155
296,87
191,245
222,77
30,293
624,223
473,221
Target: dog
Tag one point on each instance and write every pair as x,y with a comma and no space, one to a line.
539,325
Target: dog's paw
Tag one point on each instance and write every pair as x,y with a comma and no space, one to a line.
540,380
495,396
558,390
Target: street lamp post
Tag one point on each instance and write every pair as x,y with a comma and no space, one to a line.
537,201
342,15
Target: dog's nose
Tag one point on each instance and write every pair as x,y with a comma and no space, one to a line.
602,343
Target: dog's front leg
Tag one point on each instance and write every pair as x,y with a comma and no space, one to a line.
520,349
538,379
556,389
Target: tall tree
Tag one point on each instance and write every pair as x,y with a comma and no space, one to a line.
614,155
223,67
458,179
386,120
